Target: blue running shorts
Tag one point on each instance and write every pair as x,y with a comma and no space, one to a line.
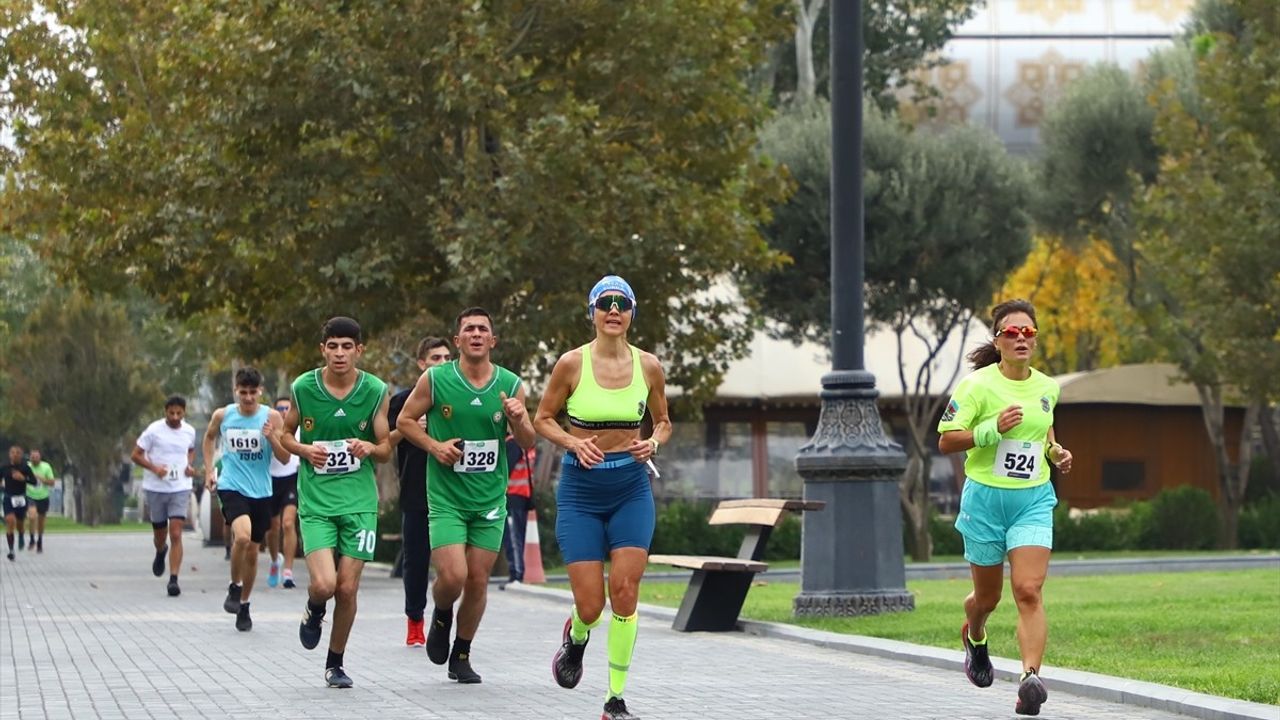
607,507
994,520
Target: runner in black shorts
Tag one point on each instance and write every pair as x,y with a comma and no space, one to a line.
16,476
284,512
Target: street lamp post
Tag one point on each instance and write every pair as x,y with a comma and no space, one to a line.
852,551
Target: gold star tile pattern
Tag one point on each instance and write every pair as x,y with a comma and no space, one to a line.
1040,82
1052,10
957,90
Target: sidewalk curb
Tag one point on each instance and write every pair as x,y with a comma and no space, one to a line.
1076,682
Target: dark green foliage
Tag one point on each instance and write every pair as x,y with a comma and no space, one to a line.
390,522
946,539
1099,531
1260,524
1183,518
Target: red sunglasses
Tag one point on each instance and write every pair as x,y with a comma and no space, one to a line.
1011,332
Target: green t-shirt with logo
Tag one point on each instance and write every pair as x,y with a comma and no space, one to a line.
1018,460
478,481
44,471
345,484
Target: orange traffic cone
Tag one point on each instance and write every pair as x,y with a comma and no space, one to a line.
533,552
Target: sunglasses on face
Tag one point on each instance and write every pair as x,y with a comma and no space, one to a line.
1011,332
605,303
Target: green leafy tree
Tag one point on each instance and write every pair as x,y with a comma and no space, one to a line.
1209,236
945,223
79,381
281,163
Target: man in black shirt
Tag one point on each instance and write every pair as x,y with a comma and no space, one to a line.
17,474
411,463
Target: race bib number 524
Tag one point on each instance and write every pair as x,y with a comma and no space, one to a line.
1018,459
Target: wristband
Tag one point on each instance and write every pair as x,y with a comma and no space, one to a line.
987,433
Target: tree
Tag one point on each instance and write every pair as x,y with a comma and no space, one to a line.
945,224
79,380
1209,234
389,157
899,36
1084,319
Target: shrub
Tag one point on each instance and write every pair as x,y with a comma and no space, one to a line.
946,539
1260,523
784,544
1182,518
390,522
682,529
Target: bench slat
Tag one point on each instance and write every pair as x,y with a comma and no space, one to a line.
773,503
770,516
708,562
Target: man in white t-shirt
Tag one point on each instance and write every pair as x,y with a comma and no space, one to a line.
166,451
284,510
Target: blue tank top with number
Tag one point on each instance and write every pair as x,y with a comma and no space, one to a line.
246,453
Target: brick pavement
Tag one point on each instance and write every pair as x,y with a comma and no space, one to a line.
87,632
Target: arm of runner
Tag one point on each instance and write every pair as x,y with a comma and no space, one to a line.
139,457
311,453
518,418
643,449
567,368
417,406
271,430
1058,455
209,445
380,451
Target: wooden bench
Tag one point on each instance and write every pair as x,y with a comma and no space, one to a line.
719,585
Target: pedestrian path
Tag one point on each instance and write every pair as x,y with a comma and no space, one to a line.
87,632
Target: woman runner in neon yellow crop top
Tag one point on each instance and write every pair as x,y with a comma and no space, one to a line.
604,501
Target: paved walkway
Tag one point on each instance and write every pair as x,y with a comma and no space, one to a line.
87,632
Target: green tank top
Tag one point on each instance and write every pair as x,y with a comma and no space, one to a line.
592,407
346,484
478,482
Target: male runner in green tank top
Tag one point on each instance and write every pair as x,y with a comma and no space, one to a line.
469,403
343,415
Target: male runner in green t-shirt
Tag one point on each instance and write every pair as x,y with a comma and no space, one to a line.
343,415
38,494
469,403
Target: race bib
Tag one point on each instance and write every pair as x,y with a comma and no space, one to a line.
338,458
478,456
244,440
1018,459
173,473
18,501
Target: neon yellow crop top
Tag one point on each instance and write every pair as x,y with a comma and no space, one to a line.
592,407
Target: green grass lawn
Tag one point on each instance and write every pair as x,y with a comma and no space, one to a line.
1212,632
55,524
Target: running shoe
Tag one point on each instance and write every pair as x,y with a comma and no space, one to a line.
244,623
157,565
977,662
438,640
11,555
566,666
40,545
288,580
336,678
232,603
273,575
173,589
616,709
460,670
309,629
1031,694
415,637
22,541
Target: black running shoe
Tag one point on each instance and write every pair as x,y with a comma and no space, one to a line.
309,628
157,565
438,640
566,666
616,709
243,622
977,663
173,589
336,678
232,603
288,583
460,670
22,541
11,555
1031,695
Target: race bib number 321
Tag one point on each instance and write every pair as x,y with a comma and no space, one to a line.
338,458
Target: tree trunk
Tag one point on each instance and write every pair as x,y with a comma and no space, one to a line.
913,494
806,19
1271,442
